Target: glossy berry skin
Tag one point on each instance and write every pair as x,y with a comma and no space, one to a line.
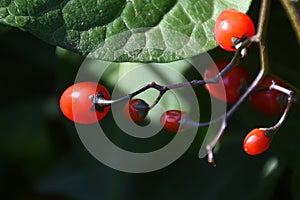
256,142
170,120
76,105
234,82
136,110
231,24
270,102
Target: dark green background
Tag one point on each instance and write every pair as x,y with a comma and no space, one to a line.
42,157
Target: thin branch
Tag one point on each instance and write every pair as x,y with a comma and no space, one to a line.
263,21
291,10
291,94
260,38
270,131
163,89
210,147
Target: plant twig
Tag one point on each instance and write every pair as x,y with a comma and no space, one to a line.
291,94
260,38
291,10
163,89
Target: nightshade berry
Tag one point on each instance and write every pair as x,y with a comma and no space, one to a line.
233,26
76,105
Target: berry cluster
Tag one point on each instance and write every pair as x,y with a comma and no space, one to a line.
86,103
227,81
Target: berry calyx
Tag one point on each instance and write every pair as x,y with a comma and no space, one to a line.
76,105
233,25
171,120
270,102
136,110
234,82
256,142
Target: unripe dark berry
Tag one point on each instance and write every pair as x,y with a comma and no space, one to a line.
136,110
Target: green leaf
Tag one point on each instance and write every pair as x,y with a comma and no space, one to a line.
122,30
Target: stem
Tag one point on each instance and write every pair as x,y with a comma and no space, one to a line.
263,20
261,35
163,89
290,93
271,130
286,91
104,102
210,147
260,38
258,78
291,10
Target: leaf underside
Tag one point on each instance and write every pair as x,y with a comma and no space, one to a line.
122,30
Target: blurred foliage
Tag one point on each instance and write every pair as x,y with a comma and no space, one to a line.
42,156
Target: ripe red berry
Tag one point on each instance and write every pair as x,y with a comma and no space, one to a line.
232,24
136,110
170,120
256,142
234,82
76,105
270,102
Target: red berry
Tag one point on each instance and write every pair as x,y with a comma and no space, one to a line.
231,24
234,82
76,105
170,120
136,110
270,102
256,142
